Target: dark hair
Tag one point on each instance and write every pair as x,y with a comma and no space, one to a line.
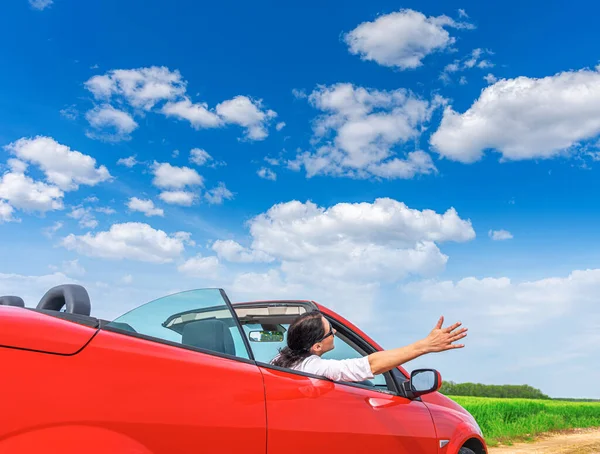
305,331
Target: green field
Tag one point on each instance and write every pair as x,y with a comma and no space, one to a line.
507,420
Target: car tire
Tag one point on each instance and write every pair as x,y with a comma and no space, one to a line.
465,451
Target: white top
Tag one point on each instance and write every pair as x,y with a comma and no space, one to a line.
355,369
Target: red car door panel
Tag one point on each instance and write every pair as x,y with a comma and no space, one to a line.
125,394
306,414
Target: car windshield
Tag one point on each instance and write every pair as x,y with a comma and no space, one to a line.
197,318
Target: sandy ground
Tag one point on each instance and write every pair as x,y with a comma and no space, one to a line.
577,441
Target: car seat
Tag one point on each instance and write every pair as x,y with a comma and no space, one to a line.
211,335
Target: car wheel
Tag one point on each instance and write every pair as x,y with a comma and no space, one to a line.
465,451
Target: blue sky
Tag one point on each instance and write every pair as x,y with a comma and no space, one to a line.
359,154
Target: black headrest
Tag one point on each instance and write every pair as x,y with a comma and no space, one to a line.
9,300
211,335
74,297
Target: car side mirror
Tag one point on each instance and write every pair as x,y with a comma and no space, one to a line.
265,336
422,381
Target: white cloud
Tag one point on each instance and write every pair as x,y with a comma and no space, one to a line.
72,268
85,217
366,125
25,194
6,212
218,194
490,78
199,156
127,162
299,94
145,88
141,87
512,306
247,113
130,240
462,13
401,39
70,113
545,117
197,114
203,267
105,210
168,176
63,167
472,60
145,206
279,126
127,279
344,253
184,198
499,235
112,124
51,230
233,251
267,174
40,5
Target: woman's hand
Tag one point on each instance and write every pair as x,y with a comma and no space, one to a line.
441,339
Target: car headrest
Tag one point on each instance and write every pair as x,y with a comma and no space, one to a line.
74,297
10,300
211,335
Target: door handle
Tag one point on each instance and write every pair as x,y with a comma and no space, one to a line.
378,402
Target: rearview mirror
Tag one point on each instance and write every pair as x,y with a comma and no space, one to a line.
266,336
422,381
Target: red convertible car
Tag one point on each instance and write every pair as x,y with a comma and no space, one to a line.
190,373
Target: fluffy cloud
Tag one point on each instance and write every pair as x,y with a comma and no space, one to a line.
145,206
247,113
141,87
490,78
504,305
366,124
63,167
267,174
380,241
172,177
499,235
145,88
343,254
6,212
197,114
199,156
218,194
127,162
232,251
183,198
472,60
401,39
40,5
203,267
84,216
130,240
111,124
545,117
22,192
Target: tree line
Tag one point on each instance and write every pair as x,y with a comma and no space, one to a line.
450,388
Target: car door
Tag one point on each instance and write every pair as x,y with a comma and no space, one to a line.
306,413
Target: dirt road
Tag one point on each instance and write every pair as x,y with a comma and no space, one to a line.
577,441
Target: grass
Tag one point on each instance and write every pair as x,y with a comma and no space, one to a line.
509,420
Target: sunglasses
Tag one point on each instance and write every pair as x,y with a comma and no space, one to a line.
330,333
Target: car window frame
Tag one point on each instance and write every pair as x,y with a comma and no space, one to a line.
250,360
393,387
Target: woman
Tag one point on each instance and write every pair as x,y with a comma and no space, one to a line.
311,335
